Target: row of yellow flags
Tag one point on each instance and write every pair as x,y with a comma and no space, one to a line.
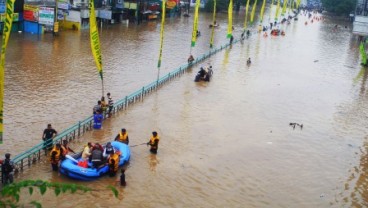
95,42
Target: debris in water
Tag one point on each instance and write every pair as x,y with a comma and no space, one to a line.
316,61
296,124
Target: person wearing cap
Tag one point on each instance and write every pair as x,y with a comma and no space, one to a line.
122,137
153,142
108,150
7,167
48,134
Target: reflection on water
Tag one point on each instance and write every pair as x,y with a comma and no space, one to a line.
226,143
153,161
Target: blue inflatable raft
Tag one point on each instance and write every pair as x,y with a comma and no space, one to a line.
71,169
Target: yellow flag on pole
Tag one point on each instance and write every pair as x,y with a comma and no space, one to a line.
277,10
6,33
253,12
162,32
284,7
246,15
95,40
230,19
195,23
213,24
298,3
269,18
262,9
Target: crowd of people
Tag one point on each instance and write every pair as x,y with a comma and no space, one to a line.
102,107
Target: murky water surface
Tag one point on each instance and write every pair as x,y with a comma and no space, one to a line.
226,143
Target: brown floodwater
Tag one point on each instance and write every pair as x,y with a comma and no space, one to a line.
227,143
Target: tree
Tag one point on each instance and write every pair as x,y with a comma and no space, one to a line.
339,7
10,194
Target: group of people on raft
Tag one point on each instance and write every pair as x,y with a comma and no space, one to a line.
98,155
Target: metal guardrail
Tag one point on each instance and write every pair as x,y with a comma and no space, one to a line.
27,158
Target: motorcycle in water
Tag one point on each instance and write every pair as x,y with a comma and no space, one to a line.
204,75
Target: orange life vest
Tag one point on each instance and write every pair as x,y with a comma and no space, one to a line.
57,155
123,137
152,141
115,157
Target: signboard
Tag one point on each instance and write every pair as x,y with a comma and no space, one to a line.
15,17
30,13
105,14
73,16
62,5
46,16
85,13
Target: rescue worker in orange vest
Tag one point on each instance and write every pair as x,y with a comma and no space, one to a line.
113,162
153,142
55,155
122,137
65,149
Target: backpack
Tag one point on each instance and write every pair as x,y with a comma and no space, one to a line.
7,167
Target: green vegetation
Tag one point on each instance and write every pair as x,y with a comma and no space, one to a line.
10,194
339,7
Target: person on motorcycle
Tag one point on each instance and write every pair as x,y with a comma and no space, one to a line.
202,73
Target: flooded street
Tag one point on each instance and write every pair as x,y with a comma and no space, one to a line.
227,143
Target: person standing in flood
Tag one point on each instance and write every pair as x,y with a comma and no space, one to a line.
7,167
122,137
110,104
153,142
48,134
97,120
55,156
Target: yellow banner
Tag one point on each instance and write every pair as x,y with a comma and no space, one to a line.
162,32
6,33
284,7
230,19
277,10
246,15
269,18
253,12
262,9
298,3
95,41
30,8
195,23
213,24
15,17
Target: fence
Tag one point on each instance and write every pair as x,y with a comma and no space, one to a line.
27,158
